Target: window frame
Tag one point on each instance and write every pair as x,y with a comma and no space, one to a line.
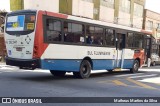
45,29
114,31
134,34
15,33
85,24
73,22
103,35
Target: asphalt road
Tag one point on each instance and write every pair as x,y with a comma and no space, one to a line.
40,83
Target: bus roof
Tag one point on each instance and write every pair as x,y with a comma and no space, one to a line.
98,22
21,11
85,20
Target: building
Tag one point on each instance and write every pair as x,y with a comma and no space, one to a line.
124,12
152,22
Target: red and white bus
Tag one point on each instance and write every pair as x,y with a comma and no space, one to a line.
64,43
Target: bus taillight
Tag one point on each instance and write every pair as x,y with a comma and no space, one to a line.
35,52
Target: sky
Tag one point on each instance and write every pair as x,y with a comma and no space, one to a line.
153,5
5,4
150,4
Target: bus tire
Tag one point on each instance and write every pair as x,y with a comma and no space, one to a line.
110,71
85,70
58,73
135,67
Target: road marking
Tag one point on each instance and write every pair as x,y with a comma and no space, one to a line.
117,82
155,80
106,81
149,70
143,76
140,84
157,84
128,75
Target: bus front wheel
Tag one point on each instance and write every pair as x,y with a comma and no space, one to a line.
135,67
85,70
58,73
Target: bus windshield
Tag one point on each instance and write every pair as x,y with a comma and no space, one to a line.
21,23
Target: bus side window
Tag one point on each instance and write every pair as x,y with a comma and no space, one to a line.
110,37
74,33
130,40
53,30
94,35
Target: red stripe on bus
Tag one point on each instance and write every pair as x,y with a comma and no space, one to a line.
39,38
58,15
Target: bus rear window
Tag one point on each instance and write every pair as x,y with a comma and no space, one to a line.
21,23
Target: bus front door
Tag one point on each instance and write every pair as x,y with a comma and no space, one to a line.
148,48
120,46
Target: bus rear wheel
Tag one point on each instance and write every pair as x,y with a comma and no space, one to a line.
85,70
135,67
58,73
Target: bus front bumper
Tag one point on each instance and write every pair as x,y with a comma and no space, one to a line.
23,63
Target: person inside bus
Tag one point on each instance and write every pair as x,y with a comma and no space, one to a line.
68,36
90,40
100,41
65,33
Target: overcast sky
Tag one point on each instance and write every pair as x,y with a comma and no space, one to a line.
5,4
153,5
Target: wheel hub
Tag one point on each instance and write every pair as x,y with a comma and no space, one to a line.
84,69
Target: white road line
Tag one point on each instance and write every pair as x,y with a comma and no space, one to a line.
143,76
42,71
158,70
155,80
129,75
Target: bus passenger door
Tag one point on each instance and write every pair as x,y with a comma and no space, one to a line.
148,48
120,46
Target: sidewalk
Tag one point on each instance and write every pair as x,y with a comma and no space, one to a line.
2,63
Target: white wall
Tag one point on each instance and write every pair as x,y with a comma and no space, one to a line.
137,22
82,8
5,5
49,5
124,18
106,14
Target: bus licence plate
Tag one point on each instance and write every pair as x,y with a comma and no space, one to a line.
18,49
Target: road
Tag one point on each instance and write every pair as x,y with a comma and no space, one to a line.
40,83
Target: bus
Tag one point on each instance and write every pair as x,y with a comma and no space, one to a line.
64,43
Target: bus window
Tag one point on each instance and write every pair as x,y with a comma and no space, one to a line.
110,37
53,28
129,40
20,24
138,41
73,33
121,41
94,35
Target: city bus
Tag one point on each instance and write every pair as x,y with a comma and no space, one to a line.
64,43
